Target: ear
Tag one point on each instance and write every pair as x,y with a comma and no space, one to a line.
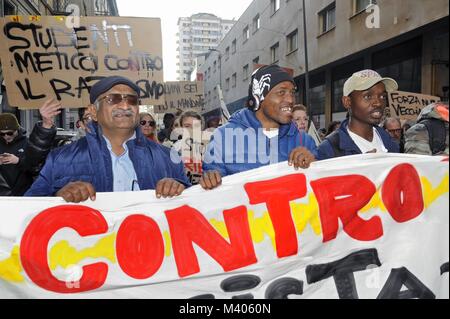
347,102
92,109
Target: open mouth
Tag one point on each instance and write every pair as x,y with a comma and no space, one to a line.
377,114
287,110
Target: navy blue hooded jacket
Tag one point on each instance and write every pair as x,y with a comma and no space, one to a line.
89,160
348,147
229,156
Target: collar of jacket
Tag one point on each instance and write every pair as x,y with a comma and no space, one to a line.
253,122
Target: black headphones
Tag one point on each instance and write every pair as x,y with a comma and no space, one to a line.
253,101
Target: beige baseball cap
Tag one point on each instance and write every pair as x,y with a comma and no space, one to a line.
363,80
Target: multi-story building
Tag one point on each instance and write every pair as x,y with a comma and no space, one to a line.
198,34
68,117
403,39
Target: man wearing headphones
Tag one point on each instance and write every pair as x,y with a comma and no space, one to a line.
261,134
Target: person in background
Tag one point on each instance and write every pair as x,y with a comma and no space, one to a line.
393,126
300,117
148,126
21,158
365,98
430,135
169,122
333,126
114,156
213,123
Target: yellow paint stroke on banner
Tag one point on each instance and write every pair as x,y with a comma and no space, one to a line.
430,194
259,227
375,203
167,243
305,214
64,255
10,268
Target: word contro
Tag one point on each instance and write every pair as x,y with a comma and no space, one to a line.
140,244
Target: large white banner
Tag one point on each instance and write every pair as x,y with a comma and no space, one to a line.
367,226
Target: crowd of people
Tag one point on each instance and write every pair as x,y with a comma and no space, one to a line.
121,149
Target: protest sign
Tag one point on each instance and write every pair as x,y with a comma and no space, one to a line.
407,106
183,96
45,56
369,226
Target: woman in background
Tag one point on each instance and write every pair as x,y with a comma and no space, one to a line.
148,126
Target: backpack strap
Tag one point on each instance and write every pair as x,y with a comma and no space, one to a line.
334,140
436,134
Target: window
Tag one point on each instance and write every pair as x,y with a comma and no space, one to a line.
327,18
275,5
403,63
215,66
233,47
256,23
246,34
233,80
256,60
292,41
227,53
361,5
227,84
274,52
245,72
9,9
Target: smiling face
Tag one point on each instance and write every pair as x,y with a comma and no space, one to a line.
276,109
367,107
121,114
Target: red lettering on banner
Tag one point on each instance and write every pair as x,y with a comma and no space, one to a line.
188,226
139,246
277,193
341,198
402,193
34,244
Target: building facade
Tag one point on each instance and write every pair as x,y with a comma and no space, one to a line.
197,35
68,117
403,39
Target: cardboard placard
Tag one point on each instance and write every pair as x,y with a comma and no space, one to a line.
407,105
182,95
49,56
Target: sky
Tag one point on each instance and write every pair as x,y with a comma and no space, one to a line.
169,11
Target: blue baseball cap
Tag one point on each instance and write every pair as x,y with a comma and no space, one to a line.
107,83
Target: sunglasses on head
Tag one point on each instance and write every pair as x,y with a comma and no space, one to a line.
151,123
117,98
7,133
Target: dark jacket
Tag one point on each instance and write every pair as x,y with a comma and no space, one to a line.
89,160
348,147
32,152
231,159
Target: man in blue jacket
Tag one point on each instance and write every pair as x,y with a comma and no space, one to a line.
261,134
365,98
114,155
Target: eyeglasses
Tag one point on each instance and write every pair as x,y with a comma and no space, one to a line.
7,133
151,123
116,98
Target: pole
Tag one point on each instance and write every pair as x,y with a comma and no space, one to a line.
305,38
